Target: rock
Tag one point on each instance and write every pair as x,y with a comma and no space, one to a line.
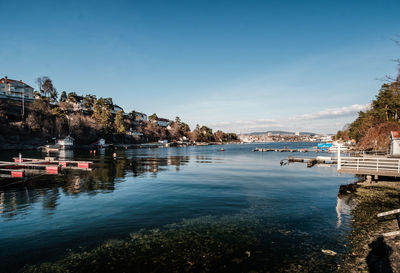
328,252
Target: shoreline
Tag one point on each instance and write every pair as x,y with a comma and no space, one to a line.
9,147
369,250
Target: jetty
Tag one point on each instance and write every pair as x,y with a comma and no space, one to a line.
21,167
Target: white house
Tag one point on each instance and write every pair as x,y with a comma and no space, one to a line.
395,143
13,89
66,143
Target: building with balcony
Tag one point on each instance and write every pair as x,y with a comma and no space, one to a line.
15,90
163,122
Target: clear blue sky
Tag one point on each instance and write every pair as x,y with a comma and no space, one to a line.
236,65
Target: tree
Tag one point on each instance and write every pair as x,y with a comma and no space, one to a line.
72,97
185,128
151,131
40,81
88,101
219,136
175,131
195,134
103,115
119,124
206,134
63,96
48,88
153,117
53,96
230,137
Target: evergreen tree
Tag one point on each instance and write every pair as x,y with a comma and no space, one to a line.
63,96
119,124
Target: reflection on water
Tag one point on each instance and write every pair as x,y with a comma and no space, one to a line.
66,154
343,208
45,189
13,203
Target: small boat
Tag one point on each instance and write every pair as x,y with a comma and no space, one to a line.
222,149
51,148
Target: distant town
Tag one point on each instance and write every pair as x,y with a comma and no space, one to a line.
282,136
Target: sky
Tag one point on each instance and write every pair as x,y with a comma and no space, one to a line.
239,66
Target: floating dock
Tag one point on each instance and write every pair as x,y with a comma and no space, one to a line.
311,161
22,167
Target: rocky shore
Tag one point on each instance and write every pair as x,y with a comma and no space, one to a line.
369,250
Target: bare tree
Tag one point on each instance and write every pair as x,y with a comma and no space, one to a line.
40,81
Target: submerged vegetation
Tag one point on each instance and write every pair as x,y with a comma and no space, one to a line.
238,243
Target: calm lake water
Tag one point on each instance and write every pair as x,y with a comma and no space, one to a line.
291,210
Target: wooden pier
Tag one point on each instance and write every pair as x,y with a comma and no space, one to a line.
377,166
31,166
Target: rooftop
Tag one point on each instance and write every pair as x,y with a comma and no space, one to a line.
395,134
7,80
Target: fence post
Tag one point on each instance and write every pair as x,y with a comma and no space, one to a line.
358,163
377,164
398,166
339,163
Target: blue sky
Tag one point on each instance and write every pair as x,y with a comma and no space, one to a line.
240,66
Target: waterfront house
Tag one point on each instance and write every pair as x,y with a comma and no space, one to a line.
66,143
15,90
395,143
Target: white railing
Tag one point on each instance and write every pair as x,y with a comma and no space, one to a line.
370,163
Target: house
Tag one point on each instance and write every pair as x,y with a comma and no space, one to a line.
76,102
395,143
13,89
116,108
140,116
66,143
163,122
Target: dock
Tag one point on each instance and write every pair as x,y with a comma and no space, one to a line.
21,167
311,161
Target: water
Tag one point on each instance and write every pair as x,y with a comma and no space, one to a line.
290,210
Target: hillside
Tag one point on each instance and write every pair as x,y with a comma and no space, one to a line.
372,128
